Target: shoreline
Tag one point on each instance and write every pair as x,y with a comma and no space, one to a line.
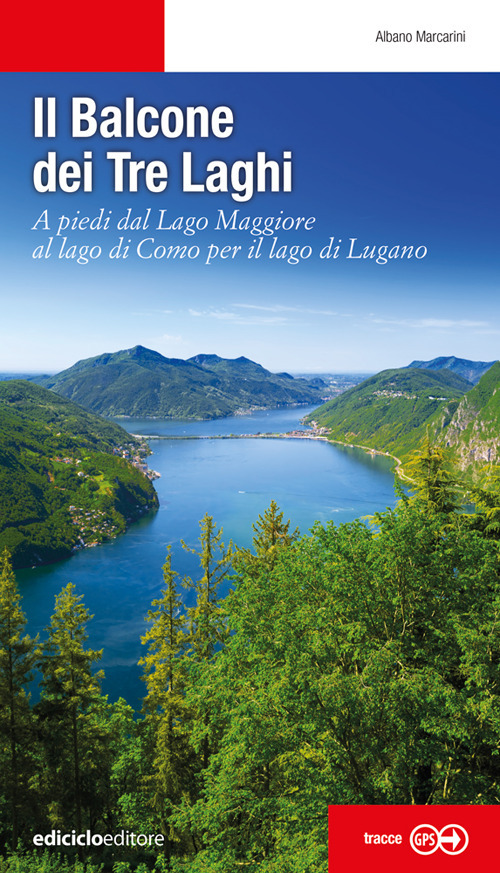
298,435
315,433
399,470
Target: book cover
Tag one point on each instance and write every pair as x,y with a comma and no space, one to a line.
273,288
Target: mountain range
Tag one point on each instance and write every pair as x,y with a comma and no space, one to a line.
470,370
139,382
390,411
66,476
395,409
453,399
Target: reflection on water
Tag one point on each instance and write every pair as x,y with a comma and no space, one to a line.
368,459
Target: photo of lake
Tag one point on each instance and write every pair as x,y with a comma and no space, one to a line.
232,479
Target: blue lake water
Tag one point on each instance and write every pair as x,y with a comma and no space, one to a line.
232,479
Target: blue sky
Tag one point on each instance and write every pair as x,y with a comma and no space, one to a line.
385,159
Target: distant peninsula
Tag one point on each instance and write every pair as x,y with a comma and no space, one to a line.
142,383
68,478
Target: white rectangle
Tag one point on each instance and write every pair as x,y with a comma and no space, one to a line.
319,36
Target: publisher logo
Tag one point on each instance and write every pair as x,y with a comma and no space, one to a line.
425,839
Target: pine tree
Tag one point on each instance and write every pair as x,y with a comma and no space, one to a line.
166,640
486,497
69,708
207,633
435,484
17,657
164,704
207,626
271,533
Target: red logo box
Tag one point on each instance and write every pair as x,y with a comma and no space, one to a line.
413,839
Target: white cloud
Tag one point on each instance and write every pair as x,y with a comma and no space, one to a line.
278,307
426,323
168,338
236,317
151,312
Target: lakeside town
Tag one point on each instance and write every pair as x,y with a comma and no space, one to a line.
138,458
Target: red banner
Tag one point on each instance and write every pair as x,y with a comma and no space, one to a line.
413,839
97,36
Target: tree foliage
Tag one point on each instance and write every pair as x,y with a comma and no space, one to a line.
358,664
70,711
206,619
17,658
61,485
435,482
271,533
166,715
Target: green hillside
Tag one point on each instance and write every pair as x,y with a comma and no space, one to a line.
63,481
141,383
390,411
472,431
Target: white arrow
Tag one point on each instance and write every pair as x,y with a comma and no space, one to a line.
454,839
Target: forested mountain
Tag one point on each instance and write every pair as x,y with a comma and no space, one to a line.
394,411
390,411
470,370
65,480
140,382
